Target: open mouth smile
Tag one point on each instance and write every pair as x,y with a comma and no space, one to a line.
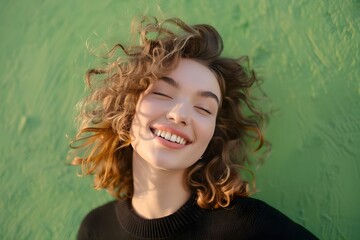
169,136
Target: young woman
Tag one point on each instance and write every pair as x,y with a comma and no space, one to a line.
166,132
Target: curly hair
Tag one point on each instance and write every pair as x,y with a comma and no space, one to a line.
102,144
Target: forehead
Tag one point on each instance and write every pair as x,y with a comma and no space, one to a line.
194,75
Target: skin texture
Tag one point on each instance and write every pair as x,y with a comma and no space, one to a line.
184,103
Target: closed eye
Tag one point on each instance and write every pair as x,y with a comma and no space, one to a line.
204,110
162,94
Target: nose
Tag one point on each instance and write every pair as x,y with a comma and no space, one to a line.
179,114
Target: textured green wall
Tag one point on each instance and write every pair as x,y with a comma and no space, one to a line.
307,51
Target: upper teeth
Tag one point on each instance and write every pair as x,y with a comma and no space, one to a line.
170,137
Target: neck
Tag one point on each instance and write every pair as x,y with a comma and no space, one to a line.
157,192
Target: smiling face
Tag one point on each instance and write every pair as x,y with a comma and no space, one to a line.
175,117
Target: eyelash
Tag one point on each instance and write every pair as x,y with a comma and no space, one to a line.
162,94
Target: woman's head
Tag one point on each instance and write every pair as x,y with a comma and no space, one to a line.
176,116
112,118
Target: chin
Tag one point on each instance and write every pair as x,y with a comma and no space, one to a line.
166,164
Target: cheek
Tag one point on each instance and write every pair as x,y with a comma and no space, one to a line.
142,113
148,107
135,128
146,111
206,132
138,121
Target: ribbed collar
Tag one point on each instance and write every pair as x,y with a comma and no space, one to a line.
164,227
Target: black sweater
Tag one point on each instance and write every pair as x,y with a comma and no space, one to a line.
245,218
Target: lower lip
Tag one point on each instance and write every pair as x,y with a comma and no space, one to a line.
169,144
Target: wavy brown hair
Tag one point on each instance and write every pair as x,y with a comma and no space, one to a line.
102,145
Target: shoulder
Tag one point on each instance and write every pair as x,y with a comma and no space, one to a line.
246,208
101,212
256,208
97,220
269,220
257,219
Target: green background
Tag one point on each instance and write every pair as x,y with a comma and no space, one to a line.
306,51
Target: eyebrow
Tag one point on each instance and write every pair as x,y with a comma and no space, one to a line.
173,83
170,81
